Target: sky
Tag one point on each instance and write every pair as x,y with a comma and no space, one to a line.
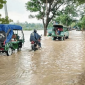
17,11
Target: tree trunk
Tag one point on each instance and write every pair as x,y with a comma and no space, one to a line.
45,31
45,27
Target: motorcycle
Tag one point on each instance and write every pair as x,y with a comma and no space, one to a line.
34,45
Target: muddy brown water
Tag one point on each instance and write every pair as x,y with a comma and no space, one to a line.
57,63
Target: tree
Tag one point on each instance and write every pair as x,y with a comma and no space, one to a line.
66,15
81,11
1,3
46,11
5,20
80,1
83,22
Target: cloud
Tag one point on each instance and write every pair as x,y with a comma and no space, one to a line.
16,5
15,16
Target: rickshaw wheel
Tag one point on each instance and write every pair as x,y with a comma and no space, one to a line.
54,38
67,37
64,38
59,38
9,52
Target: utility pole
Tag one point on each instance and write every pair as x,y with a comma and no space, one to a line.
5,7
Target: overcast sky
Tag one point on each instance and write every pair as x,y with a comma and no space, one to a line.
17,11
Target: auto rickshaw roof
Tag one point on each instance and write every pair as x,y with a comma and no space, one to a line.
6,27
60,26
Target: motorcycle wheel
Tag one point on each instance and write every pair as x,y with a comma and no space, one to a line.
33,47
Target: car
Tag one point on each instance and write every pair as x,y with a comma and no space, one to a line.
60,32
11,38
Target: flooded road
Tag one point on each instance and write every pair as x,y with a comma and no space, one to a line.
57,63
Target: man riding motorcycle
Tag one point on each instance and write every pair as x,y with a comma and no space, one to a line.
35,37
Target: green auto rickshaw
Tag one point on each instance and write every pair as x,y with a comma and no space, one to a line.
60,32
11,38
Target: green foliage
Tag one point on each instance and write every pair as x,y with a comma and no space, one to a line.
33,6
1,3
30,26
73,24
80,1
70,10
48,1
5,20
79,24
66,15
83,22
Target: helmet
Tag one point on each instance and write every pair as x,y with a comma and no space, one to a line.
35,30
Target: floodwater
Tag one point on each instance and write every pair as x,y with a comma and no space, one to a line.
57,63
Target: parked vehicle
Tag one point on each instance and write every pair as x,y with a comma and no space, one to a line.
11,38
60,32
